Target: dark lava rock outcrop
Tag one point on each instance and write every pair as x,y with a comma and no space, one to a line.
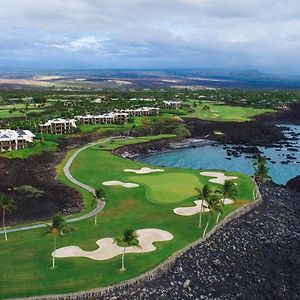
291,115
39,172
294,184
247,133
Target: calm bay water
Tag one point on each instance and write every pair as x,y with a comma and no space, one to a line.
214,157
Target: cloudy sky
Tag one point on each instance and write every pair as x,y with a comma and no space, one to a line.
262,34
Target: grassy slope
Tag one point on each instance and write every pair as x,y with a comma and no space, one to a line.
220,112
25,258
34,149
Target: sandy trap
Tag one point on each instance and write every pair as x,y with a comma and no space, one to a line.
143,170
189,211
108,249
120,183
220,177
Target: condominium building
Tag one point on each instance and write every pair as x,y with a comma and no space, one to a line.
58,126
143,111
109,118
142,99
172,104
14,139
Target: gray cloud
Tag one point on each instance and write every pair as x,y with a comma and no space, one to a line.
151,33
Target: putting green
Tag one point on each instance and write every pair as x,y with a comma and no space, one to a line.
168,187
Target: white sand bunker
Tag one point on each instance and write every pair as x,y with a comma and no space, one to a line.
189,211
143,170
220,177
120,183
108,249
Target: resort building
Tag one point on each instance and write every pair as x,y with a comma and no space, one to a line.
143,99
109,118
14,139
172,104
143,111
58,126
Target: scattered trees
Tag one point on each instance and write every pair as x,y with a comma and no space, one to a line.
7,205
261,170
129,238
229,191
203,194
182,131
57,228
213,204
99,195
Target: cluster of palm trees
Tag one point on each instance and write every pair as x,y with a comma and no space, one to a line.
214,201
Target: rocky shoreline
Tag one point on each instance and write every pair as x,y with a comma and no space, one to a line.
253,257
160,145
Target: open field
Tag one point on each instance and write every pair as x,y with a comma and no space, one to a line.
26,256
221,112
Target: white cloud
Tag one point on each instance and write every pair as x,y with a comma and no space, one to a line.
264,33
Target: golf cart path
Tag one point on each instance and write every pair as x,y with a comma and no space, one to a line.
68,174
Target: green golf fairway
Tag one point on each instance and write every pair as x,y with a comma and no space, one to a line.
222,112
26,256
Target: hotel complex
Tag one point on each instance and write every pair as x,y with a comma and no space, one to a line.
109,118
117,117
143,111
14,139
58,126
18,139
172,104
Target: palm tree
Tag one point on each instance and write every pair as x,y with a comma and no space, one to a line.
99,195
203,194
7,205
57,228
213,204
229,190
261,171
129,238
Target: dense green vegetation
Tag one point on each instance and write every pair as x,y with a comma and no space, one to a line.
49,103
26,256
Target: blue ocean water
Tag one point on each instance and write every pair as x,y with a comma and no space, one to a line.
214,157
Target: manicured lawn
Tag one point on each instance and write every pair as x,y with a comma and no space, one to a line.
36,148
221,112
25,257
